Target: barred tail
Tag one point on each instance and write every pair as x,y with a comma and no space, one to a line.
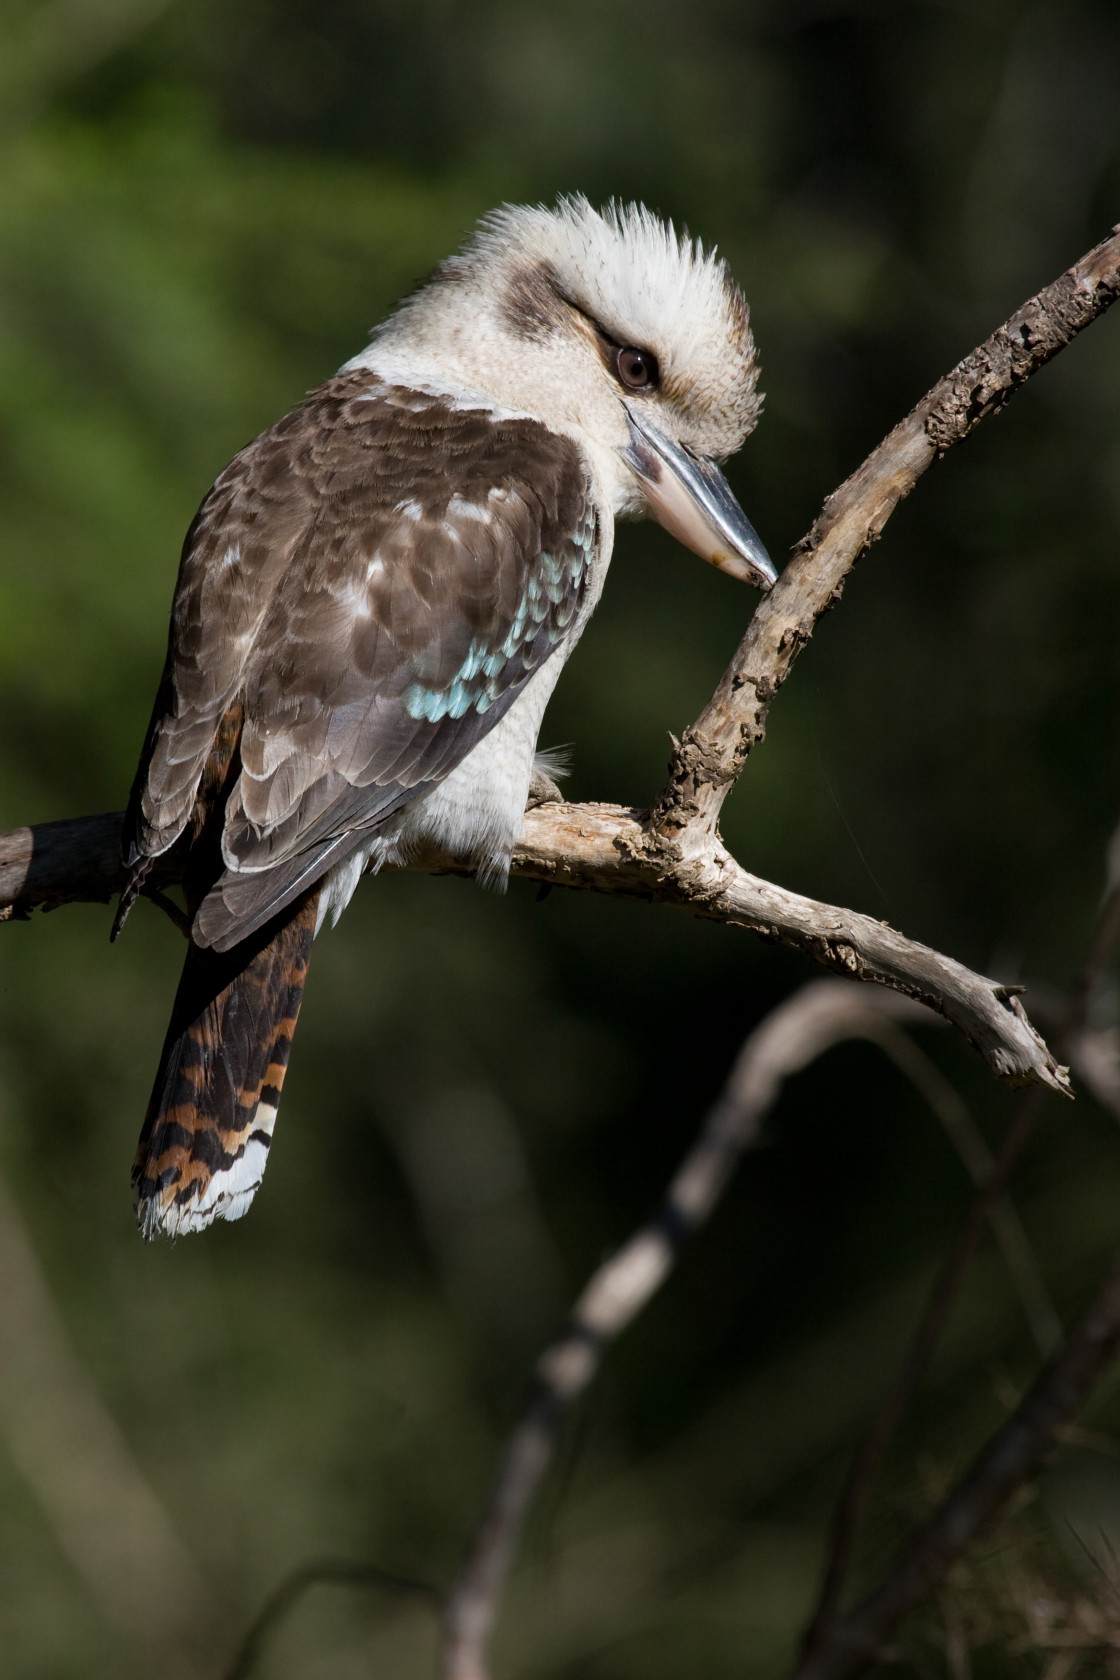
206,1135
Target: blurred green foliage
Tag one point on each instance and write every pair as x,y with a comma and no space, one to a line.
203,209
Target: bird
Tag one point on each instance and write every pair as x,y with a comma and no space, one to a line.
373,605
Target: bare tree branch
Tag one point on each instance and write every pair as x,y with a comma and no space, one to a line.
74,861
602,848
713,751
814,1019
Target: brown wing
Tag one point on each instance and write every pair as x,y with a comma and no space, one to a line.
373,580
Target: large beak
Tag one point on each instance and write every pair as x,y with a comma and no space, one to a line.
693,500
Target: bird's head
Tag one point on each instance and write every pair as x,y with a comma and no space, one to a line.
611,328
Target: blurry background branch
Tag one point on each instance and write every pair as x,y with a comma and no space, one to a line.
1008,1461
810,1023
1070,1373
339,1572
109,1520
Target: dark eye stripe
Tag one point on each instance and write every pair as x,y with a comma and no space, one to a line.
635,369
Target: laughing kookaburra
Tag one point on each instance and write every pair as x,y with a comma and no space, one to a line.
374,603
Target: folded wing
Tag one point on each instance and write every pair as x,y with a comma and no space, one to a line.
368,586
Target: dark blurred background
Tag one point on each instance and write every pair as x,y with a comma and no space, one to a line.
203,209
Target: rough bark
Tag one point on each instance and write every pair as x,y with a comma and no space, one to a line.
604,848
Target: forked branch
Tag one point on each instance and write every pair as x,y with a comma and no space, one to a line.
605,848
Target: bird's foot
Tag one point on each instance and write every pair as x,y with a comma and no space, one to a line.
556,761
542,791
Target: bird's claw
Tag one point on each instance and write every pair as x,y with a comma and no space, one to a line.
542,791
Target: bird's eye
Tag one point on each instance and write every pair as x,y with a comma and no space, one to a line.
637,369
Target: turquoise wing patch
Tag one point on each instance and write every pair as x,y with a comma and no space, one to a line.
551,596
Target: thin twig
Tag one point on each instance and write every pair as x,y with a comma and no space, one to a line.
178,918
1012,1456
337,1571
926,1335
824,1627
968,1141
812,1021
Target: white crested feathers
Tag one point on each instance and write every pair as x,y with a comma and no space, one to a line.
512,322
649,286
